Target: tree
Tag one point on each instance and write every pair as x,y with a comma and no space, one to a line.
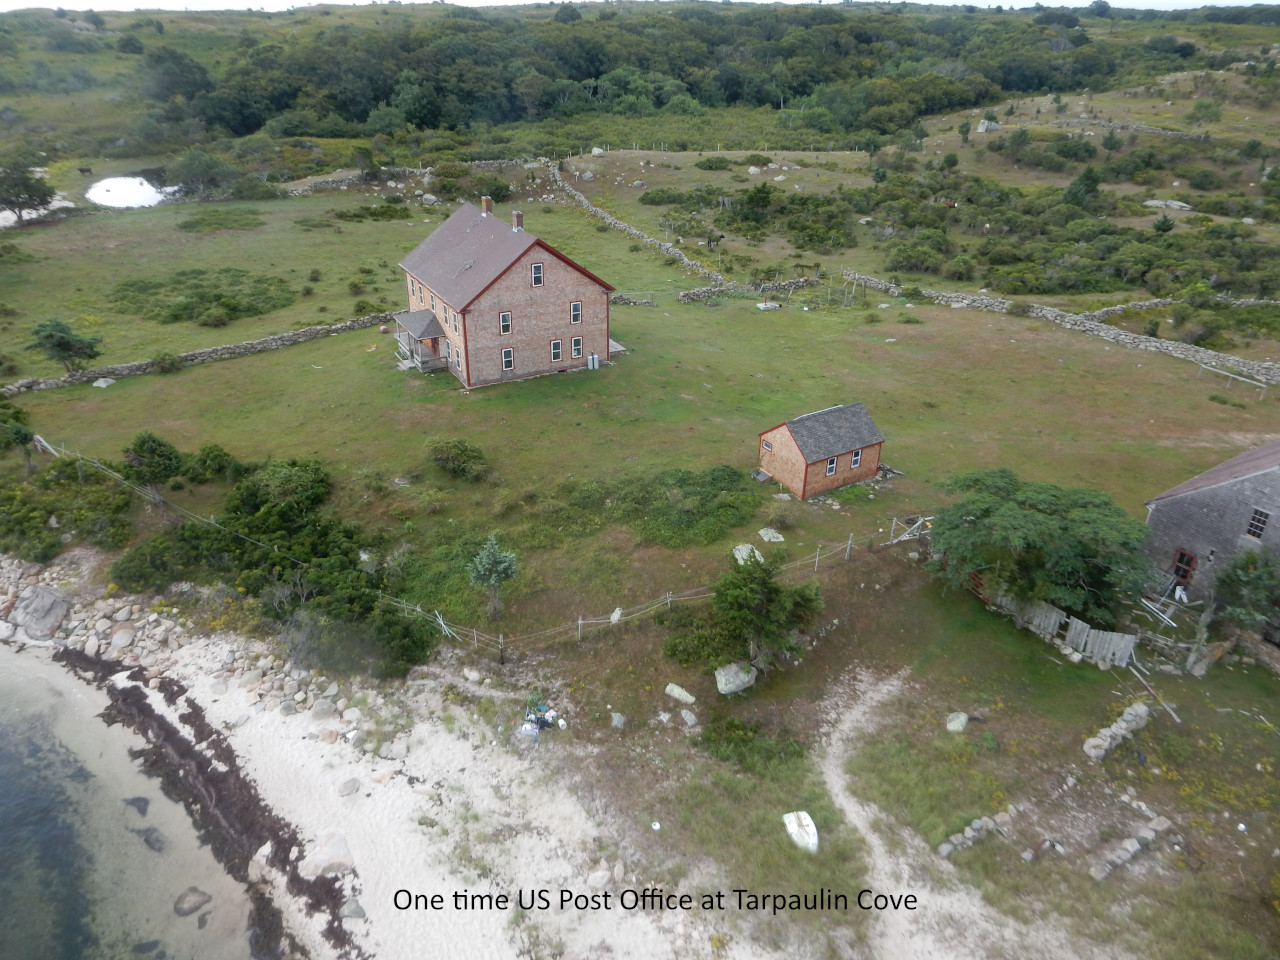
567,14
169,73
1074,548
57,341
14,431
1019,140
152,461
1248,590
490,569
964,130
1101,9
950,161
1112,141
21,189
1083,188
95,20
752,606
1163,223
196,171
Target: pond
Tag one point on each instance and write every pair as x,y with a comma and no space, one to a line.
127,192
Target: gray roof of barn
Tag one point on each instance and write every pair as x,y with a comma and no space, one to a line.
466,254
421,324
1251,462
836,430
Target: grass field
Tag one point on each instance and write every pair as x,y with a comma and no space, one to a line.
952,390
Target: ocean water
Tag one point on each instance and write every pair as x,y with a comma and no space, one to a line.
85,875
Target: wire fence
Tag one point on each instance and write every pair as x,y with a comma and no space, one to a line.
473,636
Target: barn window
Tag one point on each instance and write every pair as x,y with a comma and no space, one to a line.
575,312
508,359
504,323
1257,523
766,444
577,347
555,351
535,274
831,466
856,459
1183,565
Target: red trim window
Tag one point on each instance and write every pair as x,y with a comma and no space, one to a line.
555,351
766,444
575,312
508,359
504,323
1184,564
535,274
576,346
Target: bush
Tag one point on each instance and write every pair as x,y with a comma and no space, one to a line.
714,163
166,363
757,160
459,458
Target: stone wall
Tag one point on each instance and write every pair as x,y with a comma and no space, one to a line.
207,355
1136,128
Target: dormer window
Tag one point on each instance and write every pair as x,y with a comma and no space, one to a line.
535,274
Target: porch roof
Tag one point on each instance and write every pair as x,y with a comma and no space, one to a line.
419,324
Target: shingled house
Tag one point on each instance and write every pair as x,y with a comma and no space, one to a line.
490,302
1211,518
823,450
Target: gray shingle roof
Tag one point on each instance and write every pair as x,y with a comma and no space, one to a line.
421,324
466,254
836,430
1258,460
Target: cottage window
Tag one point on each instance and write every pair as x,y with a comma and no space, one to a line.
575,312
856,459
535,273
1257,523
577,347
433,301
455,321
457,359
766,444
448,351
831,466
508,359
1183,565
555,351
504,323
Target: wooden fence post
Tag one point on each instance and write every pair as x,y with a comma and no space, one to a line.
502,655
848,547
579,629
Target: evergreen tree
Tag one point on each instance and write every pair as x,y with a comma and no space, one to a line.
57,341
490,569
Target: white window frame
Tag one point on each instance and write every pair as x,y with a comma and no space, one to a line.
557,350
831,466
855,459
575,311
508,358
575,348
457,359
504,323
767,445
536,274
448,351
433,300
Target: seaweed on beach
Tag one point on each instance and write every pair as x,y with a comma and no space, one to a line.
202,773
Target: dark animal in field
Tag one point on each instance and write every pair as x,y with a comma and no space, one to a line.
87,171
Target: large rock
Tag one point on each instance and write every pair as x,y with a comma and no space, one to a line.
189,901
40,611
956,722
677,692
735,677
329,855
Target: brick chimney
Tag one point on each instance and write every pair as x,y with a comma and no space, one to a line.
517,222
486,206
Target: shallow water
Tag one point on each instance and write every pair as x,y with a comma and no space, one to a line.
85,875
126,192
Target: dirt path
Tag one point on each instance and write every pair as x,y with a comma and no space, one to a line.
952,922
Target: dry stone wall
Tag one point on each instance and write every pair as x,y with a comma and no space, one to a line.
207,355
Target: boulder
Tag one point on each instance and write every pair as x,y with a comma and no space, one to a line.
677,692
329,855
40,611
735,677
957,722
617,721
189,901
689,717
743,551
323,709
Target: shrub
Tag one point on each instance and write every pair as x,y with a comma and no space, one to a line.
459,458
166,362
757,160
314,275
714,163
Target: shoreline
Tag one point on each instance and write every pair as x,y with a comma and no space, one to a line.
334,802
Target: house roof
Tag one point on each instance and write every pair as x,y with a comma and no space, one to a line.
1251,462
836,430
420,324
469,251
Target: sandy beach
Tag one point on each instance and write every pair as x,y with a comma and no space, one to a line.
385,822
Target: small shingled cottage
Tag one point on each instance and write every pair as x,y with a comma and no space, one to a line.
1209,519
823,450
489,302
